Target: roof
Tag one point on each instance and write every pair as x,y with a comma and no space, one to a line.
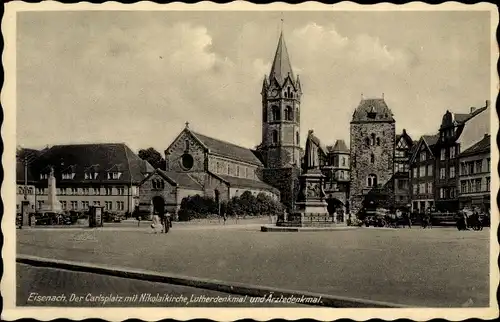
372,110
339,146
431,140
483,146
101,158
406,136
281,68
428,140
236,182
449,118
227,149
20,172
181,179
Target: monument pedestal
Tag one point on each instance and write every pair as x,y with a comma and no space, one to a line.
311,207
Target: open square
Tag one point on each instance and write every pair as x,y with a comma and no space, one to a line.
438,267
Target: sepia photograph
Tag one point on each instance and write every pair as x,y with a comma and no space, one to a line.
269,161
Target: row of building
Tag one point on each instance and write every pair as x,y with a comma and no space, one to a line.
443,171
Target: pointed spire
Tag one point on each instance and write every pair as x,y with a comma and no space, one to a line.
281,65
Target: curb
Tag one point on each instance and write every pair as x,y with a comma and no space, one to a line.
209,284
272,228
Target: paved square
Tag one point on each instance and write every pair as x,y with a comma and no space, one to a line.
436,267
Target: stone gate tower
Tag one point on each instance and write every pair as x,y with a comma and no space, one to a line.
280,147
372,156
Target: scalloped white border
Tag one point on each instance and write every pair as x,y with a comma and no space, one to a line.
8,130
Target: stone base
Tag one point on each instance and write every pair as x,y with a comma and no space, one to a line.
339,227
308,220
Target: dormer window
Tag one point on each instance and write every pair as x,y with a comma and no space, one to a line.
91,175
68,176
44,176
114,175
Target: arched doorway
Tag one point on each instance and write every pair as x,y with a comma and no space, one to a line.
158,206
335,207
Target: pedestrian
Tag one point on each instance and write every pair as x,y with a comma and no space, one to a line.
225,218
156,222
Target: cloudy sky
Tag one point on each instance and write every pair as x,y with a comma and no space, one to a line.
137,77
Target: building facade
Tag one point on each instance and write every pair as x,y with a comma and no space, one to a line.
337,170
475,176
402,154
372,156
448,148
422,174
106,175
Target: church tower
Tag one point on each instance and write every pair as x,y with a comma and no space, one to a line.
280,147
281,94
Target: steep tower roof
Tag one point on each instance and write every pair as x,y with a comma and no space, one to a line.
340,147
281,65
372,110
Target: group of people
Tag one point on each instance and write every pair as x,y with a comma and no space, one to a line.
161,222
469,219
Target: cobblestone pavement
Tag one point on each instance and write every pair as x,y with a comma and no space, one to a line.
432,267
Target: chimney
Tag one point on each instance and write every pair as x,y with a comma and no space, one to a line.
472,109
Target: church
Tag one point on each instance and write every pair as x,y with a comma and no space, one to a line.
199,164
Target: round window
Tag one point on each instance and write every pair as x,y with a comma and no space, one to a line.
187,161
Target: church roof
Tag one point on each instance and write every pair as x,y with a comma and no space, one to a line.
483,146
340,146
181,179
372,110
281,67
236,182
229,150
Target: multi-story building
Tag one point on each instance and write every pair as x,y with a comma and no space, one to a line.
422,174
402,154
475,176
337,170
456,133
86,175
372,156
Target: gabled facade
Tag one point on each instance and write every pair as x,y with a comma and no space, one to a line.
402,154
422,174
454,128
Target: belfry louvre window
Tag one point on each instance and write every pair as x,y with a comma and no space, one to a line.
288,113
276,113
275,136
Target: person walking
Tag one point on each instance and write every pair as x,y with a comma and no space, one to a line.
156,223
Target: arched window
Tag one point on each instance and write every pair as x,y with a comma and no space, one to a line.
187,145
297,138
341,174
371,180
372,139
378,141
343,162
276,113
286,94
367,141
288,113
275,136
372,158
296,115
289,92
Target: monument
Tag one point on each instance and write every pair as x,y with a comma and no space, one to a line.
311,206
53,205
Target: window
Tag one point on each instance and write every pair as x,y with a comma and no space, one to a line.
415,189
429,187
367,141
478,185
452,172
442,173
97,191
297,138
120,205
343,162
85,205
97,203
87,176
108,205
121,191
68,176
372,158
246,172
463,168
109,191
452,192
44,176
402,184
371,181
341,174
378,141
86,191
479,166
238,171
469,186
443,154
187,145
422,171
441,193
488,183
74,191
275,136
422,156
40,204
372,139
463,187
74,205
452,152
471,167
288,113
422,188
400,154
414,172
63,191
488,164
429,170
276,113
63,204
114,175
187,161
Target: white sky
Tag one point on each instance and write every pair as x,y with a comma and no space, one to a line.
137,77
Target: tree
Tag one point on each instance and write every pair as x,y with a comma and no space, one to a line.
153,157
